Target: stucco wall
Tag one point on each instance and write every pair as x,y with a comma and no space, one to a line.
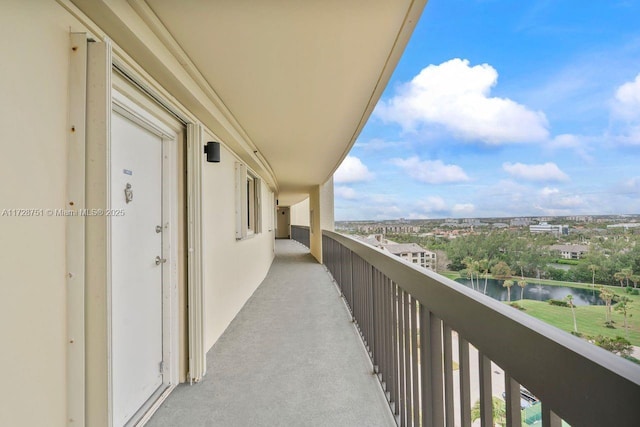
232,269
34,46
300,213
327,215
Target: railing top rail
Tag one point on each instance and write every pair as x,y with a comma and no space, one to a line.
577,379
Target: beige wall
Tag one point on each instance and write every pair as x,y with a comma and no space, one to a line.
315,232
320,206
300,213
232,269
327,218
34,47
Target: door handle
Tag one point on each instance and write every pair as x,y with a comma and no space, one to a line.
160,260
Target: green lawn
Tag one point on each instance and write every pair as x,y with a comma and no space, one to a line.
590,319
453,275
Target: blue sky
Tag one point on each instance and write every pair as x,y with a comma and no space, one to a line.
505,108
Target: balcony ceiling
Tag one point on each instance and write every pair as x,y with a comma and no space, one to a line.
299,78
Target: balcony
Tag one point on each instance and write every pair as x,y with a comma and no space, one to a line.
293,357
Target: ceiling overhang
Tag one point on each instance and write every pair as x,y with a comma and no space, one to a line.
296,80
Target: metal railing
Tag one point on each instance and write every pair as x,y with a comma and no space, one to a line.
409,319
300,233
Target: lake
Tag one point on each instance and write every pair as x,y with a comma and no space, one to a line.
536,292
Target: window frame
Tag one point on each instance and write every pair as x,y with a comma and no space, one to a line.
248,202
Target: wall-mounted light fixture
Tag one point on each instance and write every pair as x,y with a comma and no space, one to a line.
212,150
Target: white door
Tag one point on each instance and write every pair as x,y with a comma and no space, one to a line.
283,230
136,267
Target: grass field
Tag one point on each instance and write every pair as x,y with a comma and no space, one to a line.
590,319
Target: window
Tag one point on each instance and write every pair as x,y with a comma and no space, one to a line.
248,204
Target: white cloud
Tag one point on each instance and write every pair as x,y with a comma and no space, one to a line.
625,110
463,209
543,172
345,192
580,144
632,184
546,191
566,141
457,97
563,205
431,171
433,204
627,100
352,170
377,144
437,206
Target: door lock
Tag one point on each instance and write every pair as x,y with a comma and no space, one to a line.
128,193
160,260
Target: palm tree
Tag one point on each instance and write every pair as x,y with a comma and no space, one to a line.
522,283
499,410
470,264
569,299
623,275
508,284
475,268
627,273
623,307
485,263
607,297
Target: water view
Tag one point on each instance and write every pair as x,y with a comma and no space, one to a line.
536,291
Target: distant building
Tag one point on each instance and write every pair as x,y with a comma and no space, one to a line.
543,227
388,229
520,222
625,225
580,218
570,251
414,253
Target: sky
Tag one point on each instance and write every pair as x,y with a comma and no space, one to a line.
502,108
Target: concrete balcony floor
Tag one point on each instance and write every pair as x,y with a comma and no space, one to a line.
291,357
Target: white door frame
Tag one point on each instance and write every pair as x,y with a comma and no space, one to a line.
88,273
125,107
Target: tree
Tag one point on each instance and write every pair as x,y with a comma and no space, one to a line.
522,283
569,299
627,273
501,270
485,263
593,268
623,275
471,268
607,297
508,284
499,410
623,307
